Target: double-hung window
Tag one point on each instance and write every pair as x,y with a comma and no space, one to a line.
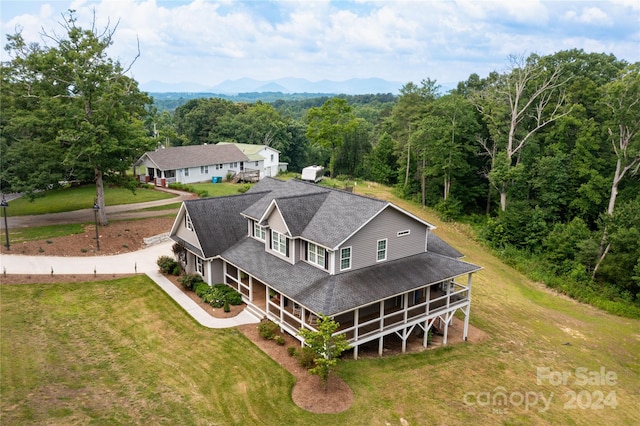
315,254
345,258
186,172
279,242
199,266
187,222
259,232
204,170
382,250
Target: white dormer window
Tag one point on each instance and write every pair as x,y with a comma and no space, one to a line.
382,250
279,243
187,222
316,254
259,231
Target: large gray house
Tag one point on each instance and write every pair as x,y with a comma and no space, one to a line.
295,250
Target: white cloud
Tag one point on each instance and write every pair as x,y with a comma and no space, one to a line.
207,42
589,15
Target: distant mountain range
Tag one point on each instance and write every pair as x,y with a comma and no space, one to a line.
354,86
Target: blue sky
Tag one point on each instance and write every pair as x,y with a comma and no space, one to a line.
207,42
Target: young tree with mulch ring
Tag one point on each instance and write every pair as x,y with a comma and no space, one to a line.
326,346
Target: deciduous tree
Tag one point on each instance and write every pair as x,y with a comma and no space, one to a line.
326,346
96,111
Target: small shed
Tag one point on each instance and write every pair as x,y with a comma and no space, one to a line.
312,173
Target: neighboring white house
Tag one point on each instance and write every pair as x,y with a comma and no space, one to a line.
261,157
200,163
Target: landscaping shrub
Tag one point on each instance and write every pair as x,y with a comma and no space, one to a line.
188,188
305,357
228,293
168,265
201,288
291,350
279,340
189,281
226,306
268,329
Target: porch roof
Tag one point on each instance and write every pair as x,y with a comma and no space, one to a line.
333,294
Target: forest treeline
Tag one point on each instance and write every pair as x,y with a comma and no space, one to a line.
542,158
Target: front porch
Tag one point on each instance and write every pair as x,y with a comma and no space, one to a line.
401,316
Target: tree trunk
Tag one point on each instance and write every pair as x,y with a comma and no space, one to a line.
102,213
614,187
503,199
602,251
406,177
447,185
489,200
423,182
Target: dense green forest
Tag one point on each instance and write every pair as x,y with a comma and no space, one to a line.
542,159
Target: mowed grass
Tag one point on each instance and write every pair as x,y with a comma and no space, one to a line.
19,235
124,352
69,199
218,189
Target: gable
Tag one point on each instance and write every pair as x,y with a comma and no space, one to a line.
273,218
217,221
184,236
404,236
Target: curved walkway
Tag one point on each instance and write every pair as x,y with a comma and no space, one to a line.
141,261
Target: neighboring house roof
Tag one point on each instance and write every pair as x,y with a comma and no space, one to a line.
250,150
180,157
334,294
218,221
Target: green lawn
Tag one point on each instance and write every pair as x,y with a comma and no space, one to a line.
69,199
123,352
218,189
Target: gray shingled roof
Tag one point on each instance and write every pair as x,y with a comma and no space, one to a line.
333,294
298,211
437,245
338,214
180,157
218,221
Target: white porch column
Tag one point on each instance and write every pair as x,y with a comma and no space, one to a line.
380,327
467,310
446,332
356,324
405,334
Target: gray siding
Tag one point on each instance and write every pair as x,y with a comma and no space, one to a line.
276,222
386,225
217,276
186,234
